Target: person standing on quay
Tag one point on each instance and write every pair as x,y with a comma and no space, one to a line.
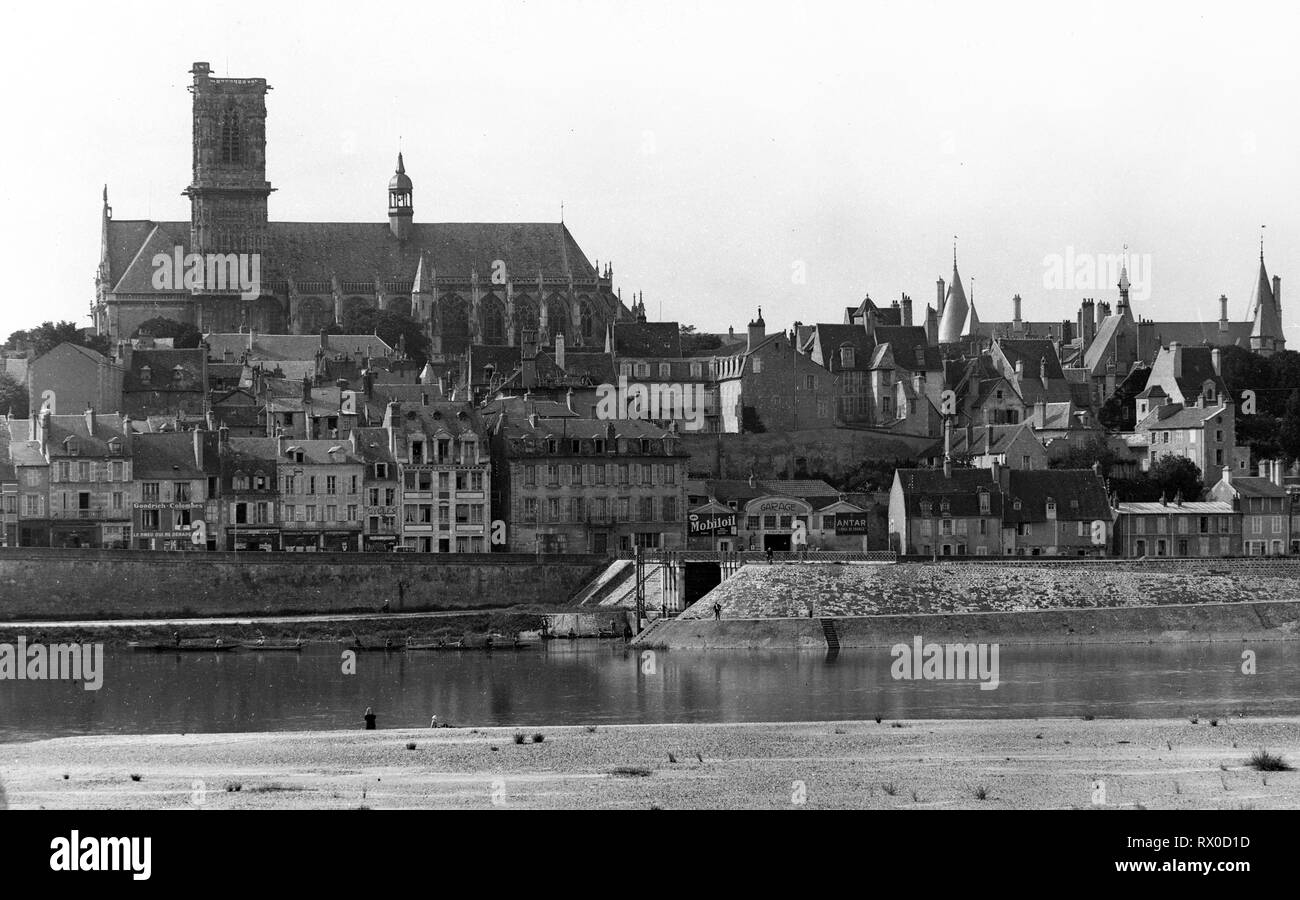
717,611
370,719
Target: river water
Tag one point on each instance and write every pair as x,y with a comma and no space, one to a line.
590,682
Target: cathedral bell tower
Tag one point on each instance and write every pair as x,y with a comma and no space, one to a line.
229,187
401,212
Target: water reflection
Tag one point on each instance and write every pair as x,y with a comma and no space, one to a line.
570,683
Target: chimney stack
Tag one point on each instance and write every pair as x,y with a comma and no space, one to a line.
1015,305
1216,359
757,331
559,351
907,310
931,326
942,297
1176,352
90,421
1223,312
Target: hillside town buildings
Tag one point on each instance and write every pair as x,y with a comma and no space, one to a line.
281,432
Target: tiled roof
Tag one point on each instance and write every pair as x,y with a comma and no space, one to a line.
1204,507
172,455
638,339
293,347
800,487
517,406
1197,334
903,341
62,427
163,371
991,439
1033,487
571,428
362,252
1197,367
960,489
26,453
1175,415
372,446
316,452
1251,486
826,341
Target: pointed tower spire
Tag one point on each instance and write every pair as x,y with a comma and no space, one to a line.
955,306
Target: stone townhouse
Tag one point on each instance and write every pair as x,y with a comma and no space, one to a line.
1264,506
1177,528
1186,410
770,386
444,461
946,512
998,511
585,485
382,485
321,497
250,492
1057,512
176,498
90,478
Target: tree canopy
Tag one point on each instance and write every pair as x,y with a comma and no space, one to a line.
48,335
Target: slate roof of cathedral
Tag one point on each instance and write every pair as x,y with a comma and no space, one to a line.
365,251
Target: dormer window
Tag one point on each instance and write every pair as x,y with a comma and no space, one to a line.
1051,508
381,470
259,481
920,357
115,446
984,503
846,357
146,375
71,446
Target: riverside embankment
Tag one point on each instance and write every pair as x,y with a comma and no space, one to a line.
820,605
85,584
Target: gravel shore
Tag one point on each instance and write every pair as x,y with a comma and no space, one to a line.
1044,763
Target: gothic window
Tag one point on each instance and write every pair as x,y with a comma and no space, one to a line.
588,323
232,145
494,321
557,318
525,315
455,324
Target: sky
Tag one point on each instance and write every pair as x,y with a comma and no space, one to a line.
722,155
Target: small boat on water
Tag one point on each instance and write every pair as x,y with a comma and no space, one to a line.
275,646
439,645
184,647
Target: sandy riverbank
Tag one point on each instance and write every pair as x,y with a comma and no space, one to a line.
1043,763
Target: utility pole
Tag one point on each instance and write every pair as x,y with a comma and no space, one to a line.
640,588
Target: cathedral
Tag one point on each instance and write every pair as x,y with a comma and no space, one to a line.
470,283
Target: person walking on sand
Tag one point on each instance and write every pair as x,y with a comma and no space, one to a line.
370,719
